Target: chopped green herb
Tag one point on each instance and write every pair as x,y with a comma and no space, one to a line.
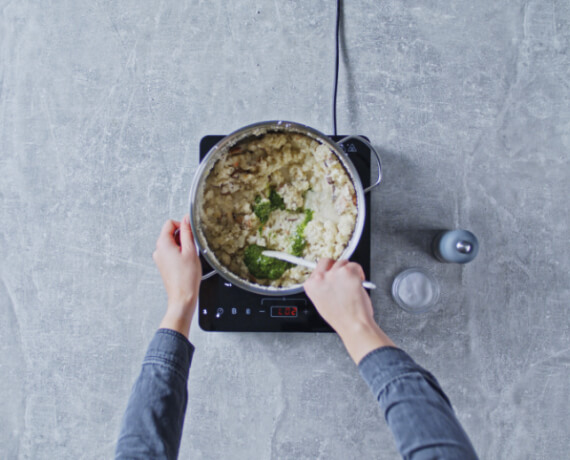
299,244
261,266
299,241
275,199
263,208
308,218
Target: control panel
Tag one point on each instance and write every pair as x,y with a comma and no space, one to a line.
284,314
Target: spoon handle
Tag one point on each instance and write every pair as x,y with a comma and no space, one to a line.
305,263
289,258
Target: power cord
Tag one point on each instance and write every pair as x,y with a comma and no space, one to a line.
336,63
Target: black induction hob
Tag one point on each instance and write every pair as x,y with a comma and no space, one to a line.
227,308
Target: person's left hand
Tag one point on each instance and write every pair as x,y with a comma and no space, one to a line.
181,272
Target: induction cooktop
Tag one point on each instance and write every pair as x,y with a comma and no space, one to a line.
224,307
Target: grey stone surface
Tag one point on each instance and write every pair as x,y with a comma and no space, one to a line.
102,106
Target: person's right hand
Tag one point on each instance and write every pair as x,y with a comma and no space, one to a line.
335,288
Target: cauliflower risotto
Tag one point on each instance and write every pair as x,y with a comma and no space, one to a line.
280,191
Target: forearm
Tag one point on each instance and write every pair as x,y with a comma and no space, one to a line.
416,409
362,337
177,322
179,314
153,421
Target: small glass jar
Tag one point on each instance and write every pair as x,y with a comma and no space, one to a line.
415,290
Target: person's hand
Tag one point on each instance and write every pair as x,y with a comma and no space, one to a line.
181,272
335,288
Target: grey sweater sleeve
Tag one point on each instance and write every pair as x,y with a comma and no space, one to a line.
153,421
416,409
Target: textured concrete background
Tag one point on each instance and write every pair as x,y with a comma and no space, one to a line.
102,106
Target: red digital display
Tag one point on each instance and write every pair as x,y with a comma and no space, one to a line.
284,312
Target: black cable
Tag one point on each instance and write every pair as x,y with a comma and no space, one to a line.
336,63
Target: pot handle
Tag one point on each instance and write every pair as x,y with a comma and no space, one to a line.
373,150
208,275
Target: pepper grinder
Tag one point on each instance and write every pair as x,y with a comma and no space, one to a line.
455,246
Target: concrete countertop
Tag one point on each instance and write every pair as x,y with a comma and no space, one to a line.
102,107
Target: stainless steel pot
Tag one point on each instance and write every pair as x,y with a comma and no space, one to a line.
259,129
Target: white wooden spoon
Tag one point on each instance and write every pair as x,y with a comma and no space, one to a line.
305,263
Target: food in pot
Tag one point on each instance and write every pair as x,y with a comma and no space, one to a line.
279,191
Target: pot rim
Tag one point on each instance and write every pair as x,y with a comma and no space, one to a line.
259,129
